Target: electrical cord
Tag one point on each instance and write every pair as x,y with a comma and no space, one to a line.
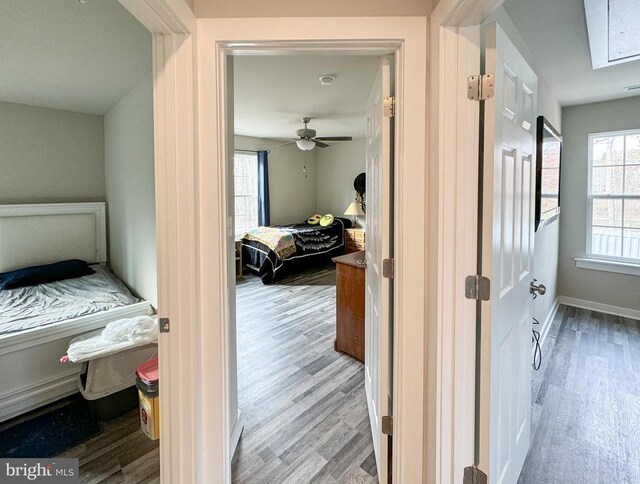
537,353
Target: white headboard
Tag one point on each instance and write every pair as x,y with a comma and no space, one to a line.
43,233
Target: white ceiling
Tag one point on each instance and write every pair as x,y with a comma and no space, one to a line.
68,55
556,33
272,93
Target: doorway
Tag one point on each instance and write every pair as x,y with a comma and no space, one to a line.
467,42
309,400
192,245
209,66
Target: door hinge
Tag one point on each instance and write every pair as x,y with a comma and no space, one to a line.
388,268
473,475
477,287
389,107
387,425
165,325
481,87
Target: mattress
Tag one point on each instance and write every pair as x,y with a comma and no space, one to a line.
34,306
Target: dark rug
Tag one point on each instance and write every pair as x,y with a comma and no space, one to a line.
50,433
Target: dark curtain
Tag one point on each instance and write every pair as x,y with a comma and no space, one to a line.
264,216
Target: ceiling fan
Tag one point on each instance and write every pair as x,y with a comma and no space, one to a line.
307,140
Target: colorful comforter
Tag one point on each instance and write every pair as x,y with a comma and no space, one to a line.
278,239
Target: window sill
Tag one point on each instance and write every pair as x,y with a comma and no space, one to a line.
608,266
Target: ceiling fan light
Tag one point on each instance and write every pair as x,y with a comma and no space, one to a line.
305,144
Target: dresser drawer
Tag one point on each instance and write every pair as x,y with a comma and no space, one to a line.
354,240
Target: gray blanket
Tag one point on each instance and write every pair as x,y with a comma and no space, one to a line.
33,306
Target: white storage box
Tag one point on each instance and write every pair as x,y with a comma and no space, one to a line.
110,374
110,357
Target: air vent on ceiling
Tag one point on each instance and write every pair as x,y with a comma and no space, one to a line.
635,87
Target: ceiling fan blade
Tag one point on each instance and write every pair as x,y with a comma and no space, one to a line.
335,138
320,144
285,144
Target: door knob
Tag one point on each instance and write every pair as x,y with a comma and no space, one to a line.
361,263
537,289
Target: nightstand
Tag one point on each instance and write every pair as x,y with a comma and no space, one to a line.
354,240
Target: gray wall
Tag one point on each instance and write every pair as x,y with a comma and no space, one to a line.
129,170
292,191
338,165
326,187
579,121
48,155
546,239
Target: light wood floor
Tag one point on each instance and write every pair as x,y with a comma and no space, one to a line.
586,402
303,404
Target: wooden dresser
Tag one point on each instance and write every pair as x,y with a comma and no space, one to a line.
353,240
350,305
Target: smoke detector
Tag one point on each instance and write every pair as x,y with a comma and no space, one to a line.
327,80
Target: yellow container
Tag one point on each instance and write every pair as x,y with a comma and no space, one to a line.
149,415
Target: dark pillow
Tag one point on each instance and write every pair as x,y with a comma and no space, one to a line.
34,275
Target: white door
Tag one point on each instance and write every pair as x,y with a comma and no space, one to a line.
507,258
378,248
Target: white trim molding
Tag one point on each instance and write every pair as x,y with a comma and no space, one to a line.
608,266
455,55
184,455
600,307
454,126
404,37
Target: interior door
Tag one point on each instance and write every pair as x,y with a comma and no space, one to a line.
507,258
378,248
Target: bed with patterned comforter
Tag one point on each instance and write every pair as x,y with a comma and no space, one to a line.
274,252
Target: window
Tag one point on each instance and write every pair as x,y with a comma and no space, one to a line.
245,174
614,196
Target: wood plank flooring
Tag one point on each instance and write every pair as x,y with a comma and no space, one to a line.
303,404
586,402
121,453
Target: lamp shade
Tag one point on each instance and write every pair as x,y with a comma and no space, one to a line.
305,144
354,209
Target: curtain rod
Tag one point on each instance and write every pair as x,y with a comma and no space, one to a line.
250,151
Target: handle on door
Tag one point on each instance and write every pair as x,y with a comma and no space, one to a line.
537,289
361,263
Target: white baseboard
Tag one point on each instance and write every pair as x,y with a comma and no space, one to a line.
601,308
546,325
236,432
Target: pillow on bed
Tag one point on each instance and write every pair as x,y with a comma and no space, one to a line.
34,275
326,220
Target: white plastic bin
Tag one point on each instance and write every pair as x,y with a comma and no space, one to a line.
110,358
110,374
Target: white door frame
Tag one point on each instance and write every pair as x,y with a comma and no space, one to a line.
173,26
454,47
407,38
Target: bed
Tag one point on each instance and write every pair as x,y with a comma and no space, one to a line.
37,322
313,246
